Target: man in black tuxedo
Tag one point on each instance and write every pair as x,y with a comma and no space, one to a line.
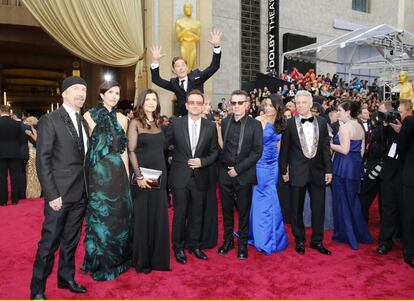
373,161
61,148
405,149
242,148
185,81
10,133
23,153
365,121
305,162
195,149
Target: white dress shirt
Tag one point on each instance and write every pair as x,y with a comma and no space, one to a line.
185,79
72,115
308,132
193,144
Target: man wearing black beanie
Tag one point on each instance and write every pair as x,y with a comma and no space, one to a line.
61,147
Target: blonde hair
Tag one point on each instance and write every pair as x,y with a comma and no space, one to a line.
32,121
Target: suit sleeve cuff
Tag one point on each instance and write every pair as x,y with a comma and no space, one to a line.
237,170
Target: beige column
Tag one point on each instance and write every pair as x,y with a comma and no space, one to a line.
205,50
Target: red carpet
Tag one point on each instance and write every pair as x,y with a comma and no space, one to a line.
347,274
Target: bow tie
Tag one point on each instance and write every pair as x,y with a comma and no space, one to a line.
303,120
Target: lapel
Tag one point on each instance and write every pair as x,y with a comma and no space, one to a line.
202,135
71,128
242,128
179,87
241,137
226,130
186,133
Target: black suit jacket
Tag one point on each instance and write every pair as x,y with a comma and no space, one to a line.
251,141
405,150
391,167
59,158
303,170
10,138
207,151
24,139
196,79
369,125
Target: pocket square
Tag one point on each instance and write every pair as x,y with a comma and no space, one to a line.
196,77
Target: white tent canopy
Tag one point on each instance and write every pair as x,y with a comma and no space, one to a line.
393,48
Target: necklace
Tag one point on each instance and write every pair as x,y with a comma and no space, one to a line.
149,122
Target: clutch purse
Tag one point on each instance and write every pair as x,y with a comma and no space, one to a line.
153,177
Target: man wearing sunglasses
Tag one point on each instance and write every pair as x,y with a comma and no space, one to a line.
195,149
242,148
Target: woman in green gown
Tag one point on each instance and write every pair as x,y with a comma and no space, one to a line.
109,213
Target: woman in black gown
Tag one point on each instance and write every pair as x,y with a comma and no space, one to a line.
151,242
109,211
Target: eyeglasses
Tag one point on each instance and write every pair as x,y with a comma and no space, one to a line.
240,103
195,103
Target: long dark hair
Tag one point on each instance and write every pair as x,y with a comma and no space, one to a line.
280,122
139,112
351,106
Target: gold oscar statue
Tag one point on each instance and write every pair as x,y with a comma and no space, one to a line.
404,87
188,31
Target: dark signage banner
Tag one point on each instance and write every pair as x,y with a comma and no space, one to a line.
273,35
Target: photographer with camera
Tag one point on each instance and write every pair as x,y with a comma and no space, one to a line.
405,149
392,211
373,160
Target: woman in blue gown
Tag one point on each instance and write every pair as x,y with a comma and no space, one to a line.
349,224
267,230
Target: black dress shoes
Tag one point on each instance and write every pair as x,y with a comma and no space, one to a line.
180,256
242,252
410,262
38,297
72,286
198,253
320,248
226,247
383,249
300,247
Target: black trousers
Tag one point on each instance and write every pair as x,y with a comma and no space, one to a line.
7,165
62,228
407,221
317,203
390,210
369,189
184,198
233,195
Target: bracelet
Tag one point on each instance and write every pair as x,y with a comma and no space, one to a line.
139,178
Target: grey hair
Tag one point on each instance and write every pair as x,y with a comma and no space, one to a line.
303,93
